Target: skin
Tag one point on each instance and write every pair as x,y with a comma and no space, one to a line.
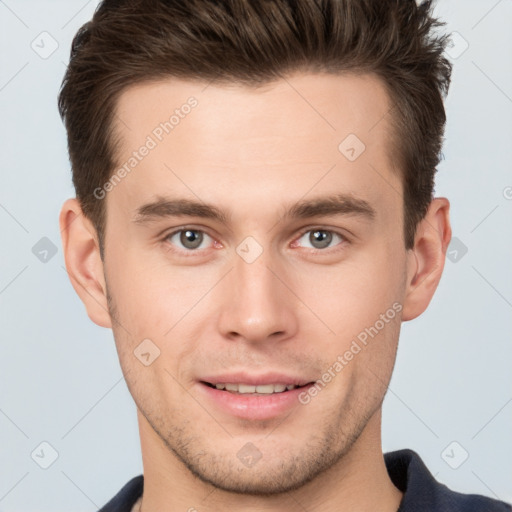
252,153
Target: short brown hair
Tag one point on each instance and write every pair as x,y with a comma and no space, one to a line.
254,42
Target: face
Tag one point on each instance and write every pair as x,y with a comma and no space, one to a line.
246,246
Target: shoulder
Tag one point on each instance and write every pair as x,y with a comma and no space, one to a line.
422,492
124,500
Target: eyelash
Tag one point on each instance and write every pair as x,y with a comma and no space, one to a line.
328,250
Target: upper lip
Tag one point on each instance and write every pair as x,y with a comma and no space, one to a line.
256,380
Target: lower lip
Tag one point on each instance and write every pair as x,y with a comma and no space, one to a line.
253,407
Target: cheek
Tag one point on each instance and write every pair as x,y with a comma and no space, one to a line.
151,295
360,303
352,294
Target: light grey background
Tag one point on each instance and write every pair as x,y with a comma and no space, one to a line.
60,378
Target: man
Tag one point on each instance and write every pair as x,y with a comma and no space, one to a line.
254,220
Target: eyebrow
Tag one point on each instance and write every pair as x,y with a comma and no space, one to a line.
338,204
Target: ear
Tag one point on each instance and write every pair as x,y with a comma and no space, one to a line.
426,259
83,261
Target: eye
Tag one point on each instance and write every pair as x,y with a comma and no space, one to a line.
319,238
189,239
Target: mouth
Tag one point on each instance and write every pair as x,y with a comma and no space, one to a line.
255,390
251,396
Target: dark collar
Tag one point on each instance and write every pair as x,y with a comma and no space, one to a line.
422,493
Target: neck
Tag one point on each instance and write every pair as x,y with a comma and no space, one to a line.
358,482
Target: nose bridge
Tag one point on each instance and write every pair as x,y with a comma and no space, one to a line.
258,304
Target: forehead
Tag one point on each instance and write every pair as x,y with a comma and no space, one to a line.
330,105
287,135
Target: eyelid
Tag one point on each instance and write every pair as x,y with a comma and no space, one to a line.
187,252
345,238
305,230
322,227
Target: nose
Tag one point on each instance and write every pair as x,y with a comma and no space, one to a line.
257,304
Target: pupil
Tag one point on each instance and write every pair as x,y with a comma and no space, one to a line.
320,239
191,239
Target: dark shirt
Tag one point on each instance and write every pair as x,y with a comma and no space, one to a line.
422,493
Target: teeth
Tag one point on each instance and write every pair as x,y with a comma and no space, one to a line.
264,389
246,388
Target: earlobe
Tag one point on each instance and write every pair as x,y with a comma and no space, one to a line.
426,259
83,261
